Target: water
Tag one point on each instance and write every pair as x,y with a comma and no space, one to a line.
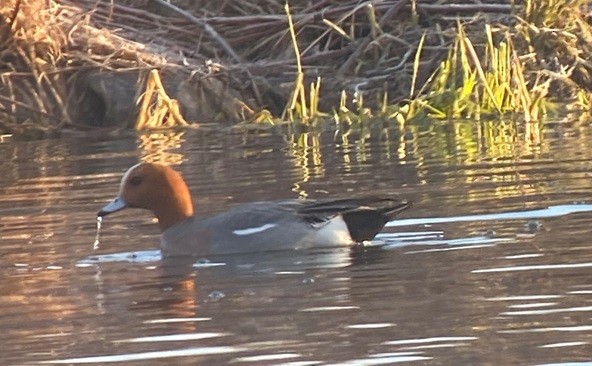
97,241
492,264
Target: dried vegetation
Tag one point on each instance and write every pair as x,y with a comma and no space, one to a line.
87,63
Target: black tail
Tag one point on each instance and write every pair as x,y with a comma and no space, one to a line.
365,221
364,217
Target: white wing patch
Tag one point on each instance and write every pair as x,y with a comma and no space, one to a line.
253,230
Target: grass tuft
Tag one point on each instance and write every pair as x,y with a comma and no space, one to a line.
157,109
493,85
300,106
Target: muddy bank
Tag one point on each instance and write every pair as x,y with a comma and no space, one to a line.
84,64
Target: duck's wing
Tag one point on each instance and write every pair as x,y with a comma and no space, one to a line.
364,216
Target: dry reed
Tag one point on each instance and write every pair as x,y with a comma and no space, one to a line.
382,53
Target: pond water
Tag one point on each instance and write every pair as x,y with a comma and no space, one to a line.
491,266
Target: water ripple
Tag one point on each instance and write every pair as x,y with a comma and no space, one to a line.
551,211
141,356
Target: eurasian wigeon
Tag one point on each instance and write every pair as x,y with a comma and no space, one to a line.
251,227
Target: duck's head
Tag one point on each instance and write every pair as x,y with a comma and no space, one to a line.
154,187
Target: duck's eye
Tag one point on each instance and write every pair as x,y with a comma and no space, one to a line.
135,181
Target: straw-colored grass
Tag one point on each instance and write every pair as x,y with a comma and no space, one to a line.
157,109
359,61
495,84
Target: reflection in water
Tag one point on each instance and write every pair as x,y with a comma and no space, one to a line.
144,356
535,267
496,254
98,234
160,147
306,152
552,211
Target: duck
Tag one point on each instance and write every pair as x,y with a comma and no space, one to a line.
288,224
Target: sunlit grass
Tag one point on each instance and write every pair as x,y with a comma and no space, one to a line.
488,75
157,109
550,13
301,106
493,85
